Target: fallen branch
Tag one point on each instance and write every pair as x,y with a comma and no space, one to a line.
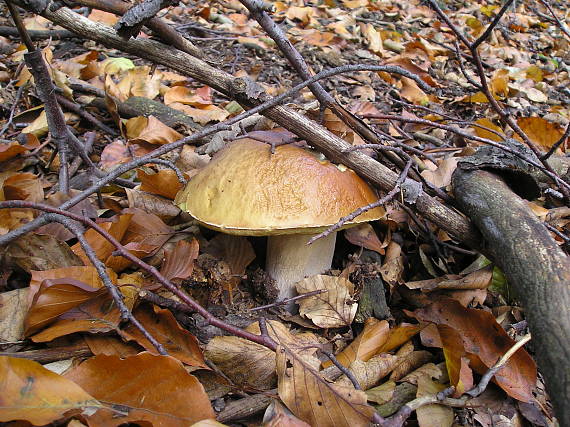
331,145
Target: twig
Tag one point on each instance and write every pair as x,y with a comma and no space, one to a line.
88,146
366,208
80,110
185,298
288,300
491,26
485,89
552,175
13,109
557,144
172,166
38,34
558,233
346,371
164,302
126,314
258,12
560,24
118,171
480,388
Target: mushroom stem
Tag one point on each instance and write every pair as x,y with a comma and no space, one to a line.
290,259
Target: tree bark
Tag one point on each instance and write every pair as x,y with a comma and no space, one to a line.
535,266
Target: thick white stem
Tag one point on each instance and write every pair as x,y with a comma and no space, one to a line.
290,259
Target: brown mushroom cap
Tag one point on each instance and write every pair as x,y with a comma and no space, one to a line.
249,191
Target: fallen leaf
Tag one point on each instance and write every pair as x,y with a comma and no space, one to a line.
393,266
13,307
316,401
150,129
541,131
479,279
476,334
161,324
32,393
179,263
55,297
164,182
142,389
369,373
332,309
253,365
433,415
441,177
365,236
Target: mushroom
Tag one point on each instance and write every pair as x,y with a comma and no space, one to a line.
289,196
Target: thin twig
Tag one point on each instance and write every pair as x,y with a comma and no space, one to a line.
343,369
125,313
366,208
560,24
288,300
120,170
122,251
486,378
557,144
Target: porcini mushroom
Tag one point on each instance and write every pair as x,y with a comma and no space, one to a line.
289,196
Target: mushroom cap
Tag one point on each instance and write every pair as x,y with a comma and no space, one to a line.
247,190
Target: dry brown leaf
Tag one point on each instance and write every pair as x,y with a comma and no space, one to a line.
412,92
365,236
96,315
250,364
479,279
540,131
164,182
204,114
316,401
83,208
142,389
382,393
162,325
150,129
410,362
277,415
376,338
23,186
32,393
366,344
110,345
429,370
393,266
332,309
114,154
485,133
441,177
13,307
187,96
369,373
433,415
35,252
235,250
54,298
179,263
474,335
152,204
374,40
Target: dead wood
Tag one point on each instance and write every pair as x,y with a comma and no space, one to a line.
332,146
535,266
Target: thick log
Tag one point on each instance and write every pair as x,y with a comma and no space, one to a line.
535,266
